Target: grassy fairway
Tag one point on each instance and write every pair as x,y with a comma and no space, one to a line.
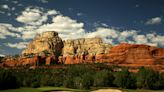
43,89
46,89
139,90
22,90
60,89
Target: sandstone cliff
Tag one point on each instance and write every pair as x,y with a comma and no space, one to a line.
83,50
136,54
90,46
86,50
48,42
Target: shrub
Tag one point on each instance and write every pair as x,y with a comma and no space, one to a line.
68,82
148,78
125,79
87,81
8,80
161,80
103,78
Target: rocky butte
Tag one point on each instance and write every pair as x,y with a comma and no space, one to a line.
48,48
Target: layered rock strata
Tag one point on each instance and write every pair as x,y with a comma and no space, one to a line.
47,42
83,50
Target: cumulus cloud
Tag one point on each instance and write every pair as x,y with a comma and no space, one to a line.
141,39
7,30
44,1
30,16
5,6
53,12
35,16
65,26
104,32
35,22
154,21
19,45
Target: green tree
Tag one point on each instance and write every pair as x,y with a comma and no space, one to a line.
87,80
103,78
8,80
161,80
125,79
148,78
68,82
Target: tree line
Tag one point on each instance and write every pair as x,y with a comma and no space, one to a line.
82,76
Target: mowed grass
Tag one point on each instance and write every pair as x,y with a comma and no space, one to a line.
60,89
43,89
22,90
141,90
48,89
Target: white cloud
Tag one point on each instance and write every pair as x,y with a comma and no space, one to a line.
20,45
103,24
28,35
44,1
35,15
7,30
13,8
1,55
80,14
15,2
154,21
124,35
65,26
53,12
5,6
8,14
103,33
35,19
140,39
30,16
158,39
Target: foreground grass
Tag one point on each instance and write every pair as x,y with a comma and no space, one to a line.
22,90
60,89
48,89
43,89
141,90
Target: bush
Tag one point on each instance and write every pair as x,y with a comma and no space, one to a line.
161,80
148,78
68,82
77,82
87,81
103,78
8,80
125,79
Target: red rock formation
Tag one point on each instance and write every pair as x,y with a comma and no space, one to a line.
136,54
86,51
52,59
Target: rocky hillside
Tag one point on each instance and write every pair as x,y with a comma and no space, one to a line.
136,54
83,50
48,42
49,47
90,46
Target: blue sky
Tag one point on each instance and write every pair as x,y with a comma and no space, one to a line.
115,21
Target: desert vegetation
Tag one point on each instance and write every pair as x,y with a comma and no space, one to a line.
81,76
